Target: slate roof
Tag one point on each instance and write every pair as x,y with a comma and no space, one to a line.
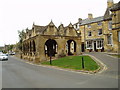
39,28
115,7
107,14
88,21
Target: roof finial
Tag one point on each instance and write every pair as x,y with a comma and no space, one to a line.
51,23
27,28
70,23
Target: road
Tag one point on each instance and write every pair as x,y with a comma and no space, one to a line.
18,74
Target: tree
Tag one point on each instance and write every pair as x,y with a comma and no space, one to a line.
21,37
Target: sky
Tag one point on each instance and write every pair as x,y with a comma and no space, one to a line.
20,14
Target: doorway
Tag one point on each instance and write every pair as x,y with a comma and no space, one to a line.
95,49
82,47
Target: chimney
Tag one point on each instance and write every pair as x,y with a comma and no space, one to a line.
90,16
110,3
79,20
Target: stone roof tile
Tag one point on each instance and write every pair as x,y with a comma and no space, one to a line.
88,21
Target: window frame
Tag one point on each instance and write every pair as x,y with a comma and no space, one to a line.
100,44
110,25
89,35
89,44
109,36
99,32
118,36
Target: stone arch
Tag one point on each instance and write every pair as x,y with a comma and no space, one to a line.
34,46
50,47
30,46
70,47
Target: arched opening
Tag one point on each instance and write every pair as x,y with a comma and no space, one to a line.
71,47
27,47
30,46
34,47
50,47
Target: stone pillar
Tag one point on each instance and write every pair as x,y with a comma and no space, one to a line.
78,46
61,46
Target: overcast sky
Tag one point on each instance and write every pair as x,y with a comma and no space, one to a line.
19,14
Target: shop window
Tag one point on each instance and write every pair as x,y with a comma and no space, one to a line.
99,44
89,44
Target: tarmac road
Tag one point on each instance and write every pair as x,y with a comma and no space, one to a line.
18,74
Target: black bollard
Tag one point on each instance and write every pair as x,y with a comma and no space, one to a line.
82,63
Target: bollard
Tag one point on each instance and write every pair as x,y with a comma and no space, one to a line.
82,63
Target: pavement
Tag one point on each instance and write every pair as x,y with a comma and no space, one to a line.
18,74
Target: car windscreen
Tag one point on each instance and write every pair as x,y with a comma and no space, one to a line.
3,55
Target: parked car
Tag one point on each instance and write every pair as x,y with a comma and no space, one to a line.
1,53
3,57
11,53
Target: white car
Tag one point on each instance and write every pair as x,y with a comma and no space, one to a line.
3,57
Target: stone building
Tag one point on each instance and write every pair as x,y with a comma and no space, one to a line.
101,33
115,11
41,42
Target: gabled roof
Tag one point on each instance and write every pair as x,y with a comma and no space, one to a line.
88,21
40,28
107,14
51,23
61,25
70,25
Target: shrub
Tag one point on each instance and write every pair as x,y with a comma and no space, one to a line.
62,54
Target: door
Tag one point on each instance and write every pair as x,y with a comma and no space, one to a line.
82,47
95,46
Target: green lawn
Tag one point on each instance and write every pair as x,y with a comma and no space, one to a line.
74,62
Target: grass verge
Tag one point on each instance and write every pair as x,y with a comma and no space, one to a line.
75,62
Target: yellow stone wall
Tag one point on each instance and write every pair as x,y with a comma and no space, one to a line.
116,28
